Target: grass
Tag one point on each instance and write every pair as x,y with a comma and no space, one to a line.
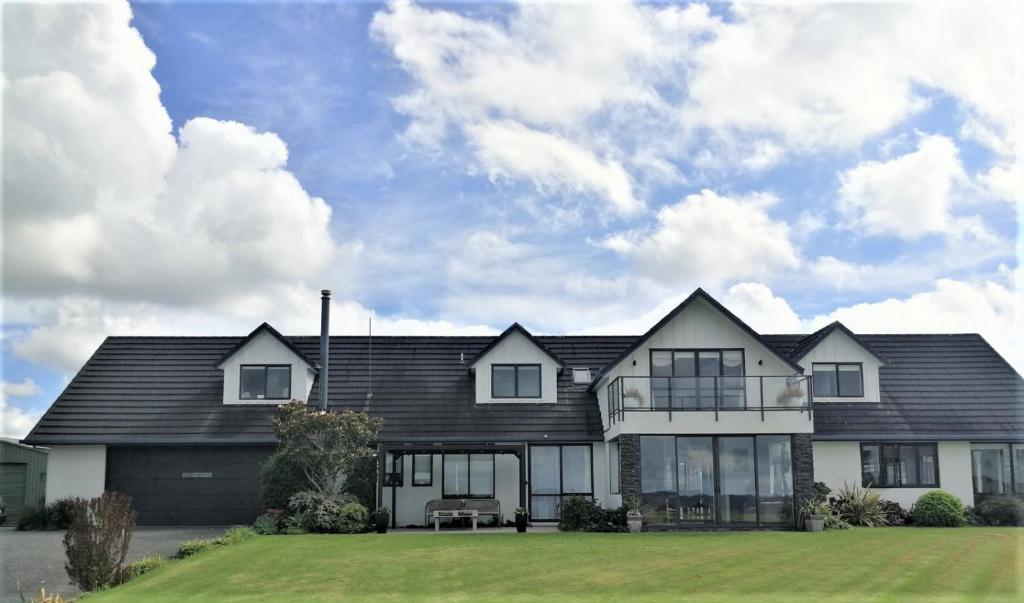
866,564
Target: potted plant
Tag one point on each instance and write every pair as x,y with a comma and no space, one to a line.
814,513
635,513
522,518
383,517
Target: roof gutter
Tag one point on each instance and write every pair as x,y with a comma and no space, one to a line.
325,344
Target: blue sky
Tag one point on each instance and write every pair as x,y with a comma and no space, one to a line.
451,168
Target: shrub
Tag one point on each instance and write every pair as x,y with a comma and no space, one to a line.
894,513
236,535
938,508
194,547
54,516
97,539
1000,511
282,477
579,514
859,506
352,519
818,506
821,491
142,566
319,512
266,525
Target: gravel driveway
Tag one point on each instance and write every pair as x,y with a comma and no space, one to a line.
30,560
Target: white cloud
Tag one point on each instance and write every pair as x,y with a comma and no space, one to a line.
709,238
552,163
830,76
757,306
16,422
909,196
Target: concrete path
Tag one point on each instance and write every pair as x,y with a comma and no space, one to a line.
30,560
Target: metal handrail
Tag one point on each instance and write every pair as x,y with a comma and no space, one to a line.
761,393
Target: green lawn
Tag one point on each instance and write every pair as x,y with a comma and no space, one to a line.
885,564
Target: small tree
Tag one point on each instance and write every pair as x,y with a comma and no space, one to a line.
334,450
97,539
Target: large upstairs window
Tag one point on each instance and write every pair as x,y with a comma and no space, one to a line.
838,380
693,379
515,381
265,382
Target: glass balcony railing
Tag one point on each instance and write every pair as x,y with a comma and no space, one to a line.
713,394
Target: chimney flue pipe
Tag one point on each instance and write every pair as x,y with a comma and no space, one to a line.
325,344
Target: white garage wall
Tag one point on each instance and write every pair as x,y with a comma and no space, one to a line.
835,462
75,471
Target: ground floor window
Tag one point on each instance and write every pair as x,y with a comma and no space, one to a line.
899,465
997,469
557,472
422,469
717,479
467,475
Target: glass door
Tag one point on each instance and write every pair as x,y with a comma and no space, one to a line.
737,487
696,473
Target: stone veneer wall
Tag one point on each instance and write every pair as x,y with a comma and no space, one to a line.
803,470
629,465
803,467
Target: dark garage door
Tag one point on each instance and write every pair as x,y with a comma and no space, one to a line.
12,489
189,485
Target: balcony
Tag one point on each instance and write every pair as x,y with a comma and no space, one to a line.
762,396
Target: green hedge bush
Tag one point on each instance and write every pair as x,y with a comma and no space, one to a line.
353,519
938,508
54,516
1000,511
580,514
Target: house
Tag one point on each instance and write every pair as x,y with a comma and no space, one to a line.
22,477
708,421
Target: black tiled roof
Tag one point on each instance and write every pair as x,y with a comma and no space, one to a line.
167,390
931,385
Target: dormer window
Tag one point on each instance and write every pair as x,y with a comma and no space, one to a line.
265,382
839,380
515,381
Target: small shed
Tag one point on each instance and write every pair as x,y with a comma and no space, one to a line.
22,477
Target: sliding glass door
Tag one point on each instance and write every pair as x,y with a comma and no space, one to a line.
745,480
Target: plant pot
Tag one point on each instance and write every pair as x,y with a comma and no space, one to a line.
635,521
814,523
382,522
521,521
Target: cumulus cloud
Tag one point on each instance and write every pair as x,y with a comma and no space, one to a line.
710,238
94,175
757,306
908,196
14,421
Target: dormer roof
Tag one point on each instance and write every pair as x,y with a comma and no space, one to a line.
515,328
805,345
266,328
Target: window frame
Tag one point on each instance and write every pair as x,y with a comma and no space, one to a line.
697,376
562,494
897,445
266,373
469,476
840,394
1015,471
430,480
515,381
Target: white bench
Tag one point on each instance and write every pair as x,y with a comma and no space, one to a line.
455,514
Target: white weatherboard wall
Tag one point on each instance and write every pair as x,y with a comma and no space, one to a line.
266,349
835,462
75,471
701,326
839,347
516,349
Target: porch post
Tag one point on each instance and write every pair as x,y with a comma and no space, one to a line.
381,458
522,475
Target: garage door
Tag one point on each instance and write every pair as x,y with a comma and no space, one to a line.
12,488
193,485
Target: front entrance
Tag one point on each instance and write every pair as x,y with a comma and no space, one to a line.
717,480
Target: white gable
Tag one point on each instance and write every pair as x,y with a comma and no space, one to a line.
840,347
516,348
264,348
